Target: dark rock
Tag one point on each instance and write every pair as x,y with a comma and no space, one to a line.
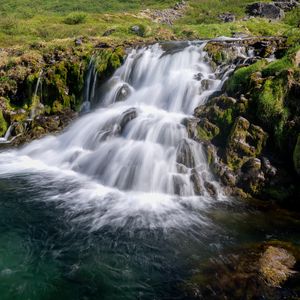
126,117
210,188
265,10
196,180
227,17
122,93
253,272
286,5
267,168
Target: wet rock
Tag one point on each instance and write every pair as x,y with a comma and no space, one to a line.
275,265
179,184
126,117
198,76
211,189
252,272
265,10
227,17
185,155
267,168
197,183
123,93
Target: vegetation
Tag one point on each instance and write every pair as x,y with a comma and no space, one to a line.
26,22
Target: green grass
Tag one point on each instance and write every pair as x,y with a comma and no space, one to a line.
25,22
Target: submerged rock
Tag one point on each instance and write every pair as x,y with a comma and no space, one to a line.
275,265
253,272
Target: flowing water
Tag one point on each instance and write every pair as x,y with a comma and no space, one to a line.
109,209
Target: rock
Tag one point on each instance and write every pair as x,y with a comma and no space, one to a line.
296,156
265,10
179,184
78,42
211,189
122,93
252,272
185,155
196,180
275,265
138,30
244,141
267,168
125,118
227,17
286,5
297,59
251,178
206,131
109,32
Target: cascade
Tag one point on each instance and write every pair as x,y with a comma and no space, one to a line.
130,160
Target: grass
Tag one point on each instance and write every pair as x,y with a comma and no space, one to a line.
24,22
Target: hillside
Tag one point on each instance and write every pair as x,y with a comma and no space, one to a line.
24,22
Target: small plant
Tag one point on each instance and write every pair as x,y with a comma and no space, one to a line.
75,18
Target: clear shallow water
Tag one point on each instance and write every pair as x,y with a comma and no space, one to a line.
104,211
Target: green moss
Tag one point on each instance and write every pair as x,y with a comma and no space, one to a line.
296,155
240,80
3,124
277,66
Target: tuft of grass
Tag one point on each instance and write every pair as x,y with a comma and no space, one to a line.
75,18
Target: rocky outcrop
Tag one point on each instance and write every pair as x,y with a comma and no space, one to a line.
265,10
40,90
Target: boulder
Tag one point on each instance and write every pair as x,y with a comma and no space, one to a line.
197,184
245,141
275,265
206,131
138,30
265,10
286,5
227,17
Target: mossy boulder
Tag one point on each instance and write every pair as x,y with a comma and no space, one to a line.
206,130
245,140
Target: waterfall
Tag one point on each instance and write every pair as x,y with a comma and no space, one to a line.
7,135
35,99
130,160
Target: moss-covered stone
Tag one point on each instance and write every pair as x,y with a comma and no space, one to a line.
206,131
244,141
3,124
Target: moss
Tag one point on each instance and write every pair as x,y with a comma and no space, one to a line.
206,131
3,124
277,66
296,155
240,81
